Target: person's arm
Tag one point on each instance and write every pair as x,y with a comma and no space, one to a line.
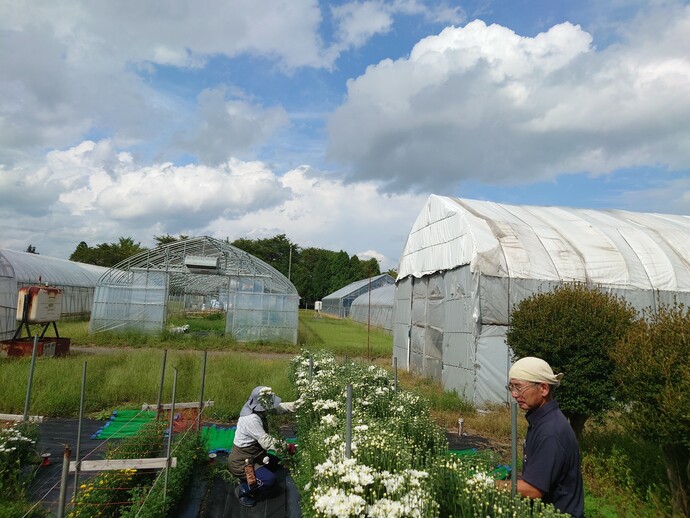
290,406
524,488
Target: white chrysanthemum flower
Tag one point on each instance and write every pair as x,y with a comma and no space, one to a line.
335,502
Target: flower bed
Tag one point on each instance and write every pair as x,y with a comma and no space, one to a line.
130,493
399,464
18,464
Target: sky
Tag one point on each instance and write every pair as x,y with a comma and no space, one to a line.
331,122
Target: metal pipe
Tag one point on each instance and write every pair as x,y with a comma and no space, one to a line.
170,434
311,367
513,447
369,323
160,386
63,482
201,395
81,418
348,423
395,373
27,401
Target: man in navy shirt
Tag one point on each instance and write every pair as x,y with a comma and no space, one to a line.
551,462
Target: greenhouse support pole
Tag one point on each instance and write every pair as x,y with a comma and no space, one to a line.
170,434
311,367
290,263
63,482
513,447
160,386
201,396
369,323
81,418
348,423
395,373
27,401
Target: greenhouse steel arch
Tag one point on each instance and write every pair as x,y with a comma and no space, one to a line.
197,275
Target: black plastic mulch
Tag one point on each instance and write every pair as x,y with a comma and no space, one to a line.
54,435
204,498
220,500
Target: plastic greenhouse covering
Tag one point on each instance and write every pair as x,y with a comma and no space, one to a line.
22,269
338,303
375,308
197,275
466,264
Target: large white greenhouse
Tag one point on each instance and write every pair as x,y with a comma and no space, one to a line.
199,274
467,263
20,269
338,303
375,307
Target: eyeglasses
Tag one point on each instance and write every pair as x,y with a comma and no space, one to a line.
514,389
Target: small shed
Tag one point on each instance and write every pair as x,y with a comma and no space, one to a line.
338,303
466,264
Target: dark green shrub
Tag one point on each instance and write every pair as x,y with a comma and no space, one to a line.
574,328
654,373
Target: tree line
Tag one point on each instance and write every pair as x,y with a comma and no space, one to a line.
315,272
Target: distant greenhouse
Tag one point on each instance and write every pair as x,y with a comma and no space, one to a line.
20,269
199,274
375,308
338,303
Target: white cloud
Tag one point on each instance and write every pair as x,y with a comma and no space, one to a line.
324,212
229,127
482,103
95,193
83,66
356,22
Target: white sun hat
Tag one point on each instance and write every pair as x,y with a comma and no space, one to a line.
536,370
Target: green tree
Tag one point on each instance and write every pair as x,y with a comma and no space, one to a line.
574,328
315,272
277,251
167,239
654,375
31,249
106,254
83,254
392,272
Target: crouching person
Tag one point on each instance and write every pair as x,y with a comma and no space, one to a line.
251,444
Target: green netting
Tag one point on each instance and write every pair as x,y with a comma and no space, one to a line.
124,423
218,438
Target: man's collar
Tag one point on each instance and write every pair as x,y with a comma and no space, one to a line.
533,416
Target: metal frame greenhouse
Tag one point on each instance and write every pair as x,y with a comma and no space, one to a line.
197,274
338,303
21,269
